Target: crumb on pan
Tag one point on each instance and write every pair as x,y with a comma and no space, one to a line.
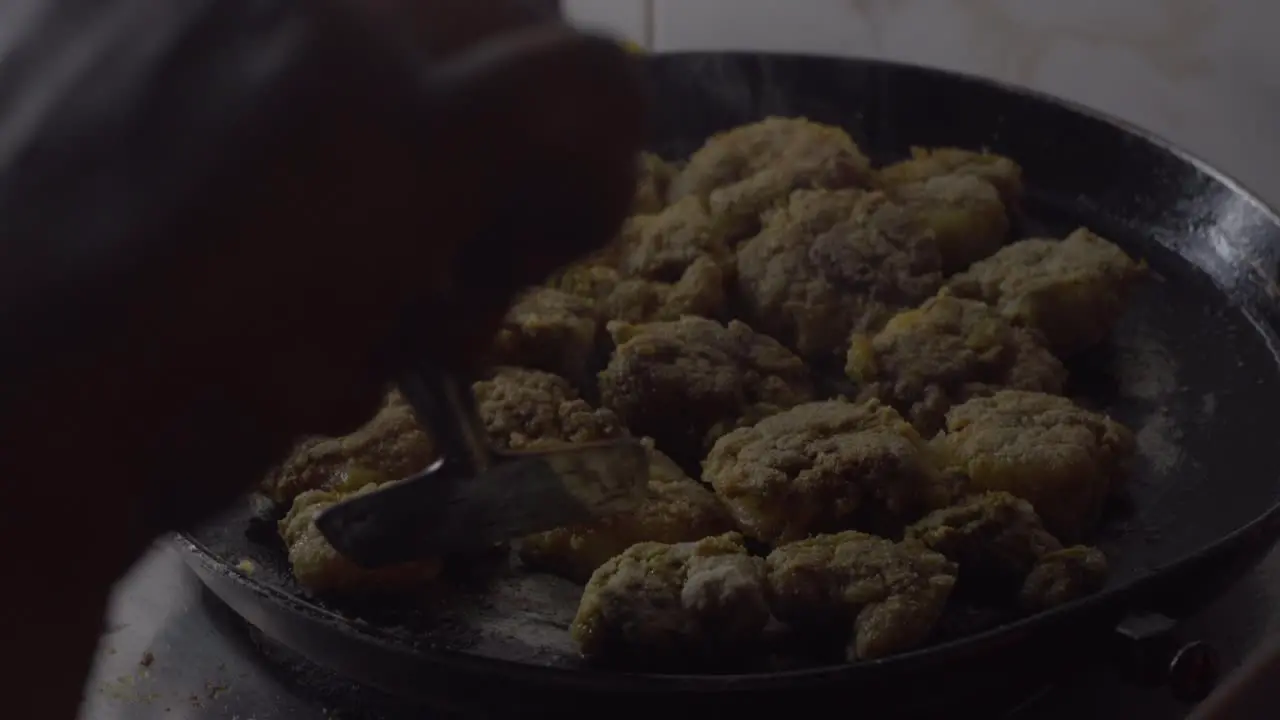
1061,458
823,467
883,597
945,352
832,263
673,604
1071,290
686,383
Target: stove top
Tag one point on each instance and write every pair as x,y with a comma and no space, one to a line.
172,650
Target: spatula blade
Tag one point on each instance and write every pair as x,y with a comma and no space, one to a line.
434,513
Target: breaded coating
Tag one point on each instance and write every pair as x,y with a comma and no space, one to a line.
661,267
319,568
392,443
743,172
1063,576
673,604
945,352
653,179
523,409
678,509
964,212
815,274
662,246
1045,449
686,383
925,163
550,330
1071,291
822,467
995,537
884,597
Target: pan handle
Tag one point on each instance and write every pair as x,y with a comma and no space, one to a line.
1152,654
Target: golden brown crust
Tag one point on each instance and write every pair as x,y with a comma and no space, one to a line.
673,604
832,263
823,467
547,329
523,409
319,567
743,172
1061,458
884,597
945,352
678,509
686,383
392,443
1071,291
926,163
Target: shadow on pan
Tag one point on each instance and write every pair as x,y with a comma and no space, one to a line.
1192,368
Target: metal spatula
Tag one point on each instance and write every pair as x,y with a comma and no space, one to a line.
472,497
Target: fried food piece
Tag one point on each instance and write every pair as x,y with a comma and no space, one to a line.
926,163
523,409
662,266
995,538
686,383
683,603
1063,576
651,186
392,443
1071,291
885,597
945,352
815,273
319,568
745,171
547,329
964,212
662,246
678,509
1045,449
822,467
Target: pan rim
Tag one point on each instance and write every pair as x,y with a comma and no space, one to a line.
1266,525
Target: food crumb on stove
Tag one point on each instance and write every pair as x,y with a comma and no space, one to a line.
147,659
247,566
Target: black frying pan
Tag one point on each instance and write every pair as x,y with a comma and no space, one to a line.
1192,367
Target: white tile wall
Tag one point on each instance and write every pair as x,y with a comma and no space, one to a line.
631,19
1203,73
